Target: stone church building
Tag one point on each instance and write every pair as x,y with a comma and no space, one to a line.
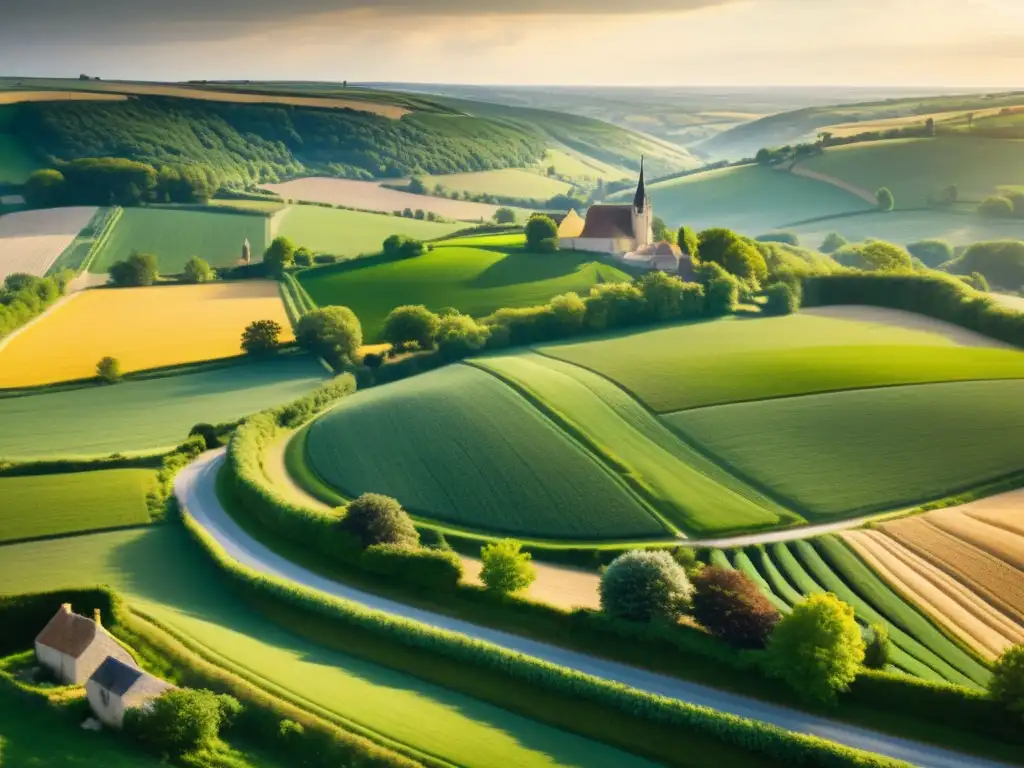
616,229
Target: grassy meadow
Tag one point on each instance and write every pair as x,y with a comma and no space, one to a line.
142,328
465,273
580,167
51,505
494,462
349,233
507,182
961,227
148,414
175,236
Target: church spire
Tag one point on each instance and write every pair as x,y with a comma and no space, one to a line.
640,199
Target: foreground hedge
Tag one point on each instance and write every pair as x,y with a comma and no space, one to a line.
773,742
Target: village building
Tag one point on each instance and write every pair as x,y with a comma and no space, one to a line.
73,646
569,224
116,687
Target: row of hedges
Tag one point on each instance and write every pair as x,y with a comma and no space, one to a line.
944,298
769,741
423,568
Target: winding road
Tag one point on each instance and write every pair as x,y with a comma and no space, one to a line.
195,488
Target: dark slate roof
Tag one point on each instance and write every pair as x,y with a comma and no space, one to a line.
68,633
609,221
115,676
640,198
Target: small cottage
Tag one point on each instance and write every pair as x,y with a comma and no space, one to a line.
116,687
73,646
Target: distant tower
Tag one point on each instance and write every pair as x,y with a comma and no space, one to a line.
643,214
246,252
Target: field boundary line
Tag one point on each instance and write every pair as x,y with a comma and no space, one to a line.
74,534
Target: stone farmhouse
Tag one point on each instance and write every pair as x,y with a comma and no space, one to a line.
73,646
116,687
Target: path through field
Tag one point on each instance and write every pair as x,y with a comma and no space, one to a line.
30,241
195,488
860,192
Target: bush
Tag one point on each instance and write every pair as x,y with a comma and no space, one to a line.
139,269
733,253
108,370
1007,683
506,568
996,207
45,189
642,585
721,295
817,649
334,333
279,256
782,299
932,253
411,325
403,247
878,650
884,199
197,271
615,305
460,336
688,241
833,242
547,245
211,439
304,257
376,519
1000,261
874,255
670,298
177,722
425,568
731,606
538,229
260,337
504,216
789,238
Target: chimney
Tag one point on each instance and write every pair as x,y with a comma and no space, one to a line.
97,617
66,607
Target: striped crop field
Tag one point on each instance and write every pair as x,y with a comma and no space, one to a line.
52,505
175,236
788,572
141,327
31,241
148,414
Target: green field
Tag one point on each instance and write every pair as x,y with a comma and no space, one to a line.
904,227
475,280
163,573
175,236
51,505
507,182
147,414
693,493
916,168
857,452
577,167
788,572
350,233
484,459
710,363
750,199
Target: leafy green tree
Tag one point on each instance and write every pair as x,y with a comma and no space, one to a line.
261,337
410,324
334,333
781,299
459,336
179,721
197,271
304,257
279,256
108,370
506,568
505,216
376,519
539,229
416,186
730,606
733,253
670,298
879,648
642,585
817,649
833,242
884,199
687,239
44,189
403,247
1007,683
660,230
139,269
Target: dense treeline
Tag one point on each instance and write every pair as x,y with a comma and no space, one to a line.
23,297
249,143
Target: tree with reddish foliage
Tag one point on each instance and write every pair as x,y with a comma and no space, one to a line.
730,606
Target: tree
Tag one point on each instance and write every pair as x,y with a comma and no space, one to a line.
279,256
459,336
875,255
416,186
932,253
688,241
505,216
721,295
817,649
660,231
108,370
642,585
539,229
782,299
304,257
884,199
260,337
1000,261
139,269
411,325
1007,683
375,519
733,253
44,189
334,333
833,242
877,651
403,247
506,568
731,606
178,721
197,271
669,297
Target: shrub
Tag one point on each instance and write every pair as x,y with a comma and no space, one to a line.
670,298
730,606
996,207
403,247
459,336
932,253
833,242
615,305
411,324
108,370
642,585
260,337
280,255
197,271
817,648
884,199
688,241
878,649
334,333
721,296
139,269
376,519
1000,261
424,568
687,559
178,721
45,189
504,216
211,439
875,255
506,568
538,229
1007,683
733,253
304,257
547,245
782,299
789,238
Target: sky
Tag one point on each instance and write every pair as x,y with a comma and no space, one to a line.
977,43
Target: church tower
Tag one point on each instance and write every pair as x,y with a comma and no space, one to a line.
643,215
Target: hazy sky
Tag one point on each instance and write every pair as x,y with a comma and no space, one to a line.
633,42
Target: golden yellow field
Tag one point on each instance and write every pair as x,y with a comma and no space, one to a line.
141,327
22,97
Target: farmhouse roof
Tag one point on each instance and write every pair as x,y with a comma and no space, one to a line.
116,676
68,633
605,221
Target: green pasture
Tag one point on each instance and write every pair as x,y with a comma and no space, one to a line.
459,446
916,168
506,182
471,277
693,493
750,199
148,414
708,363
579,167
350,233
175,236
163,573
961,227
51,505
848,453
